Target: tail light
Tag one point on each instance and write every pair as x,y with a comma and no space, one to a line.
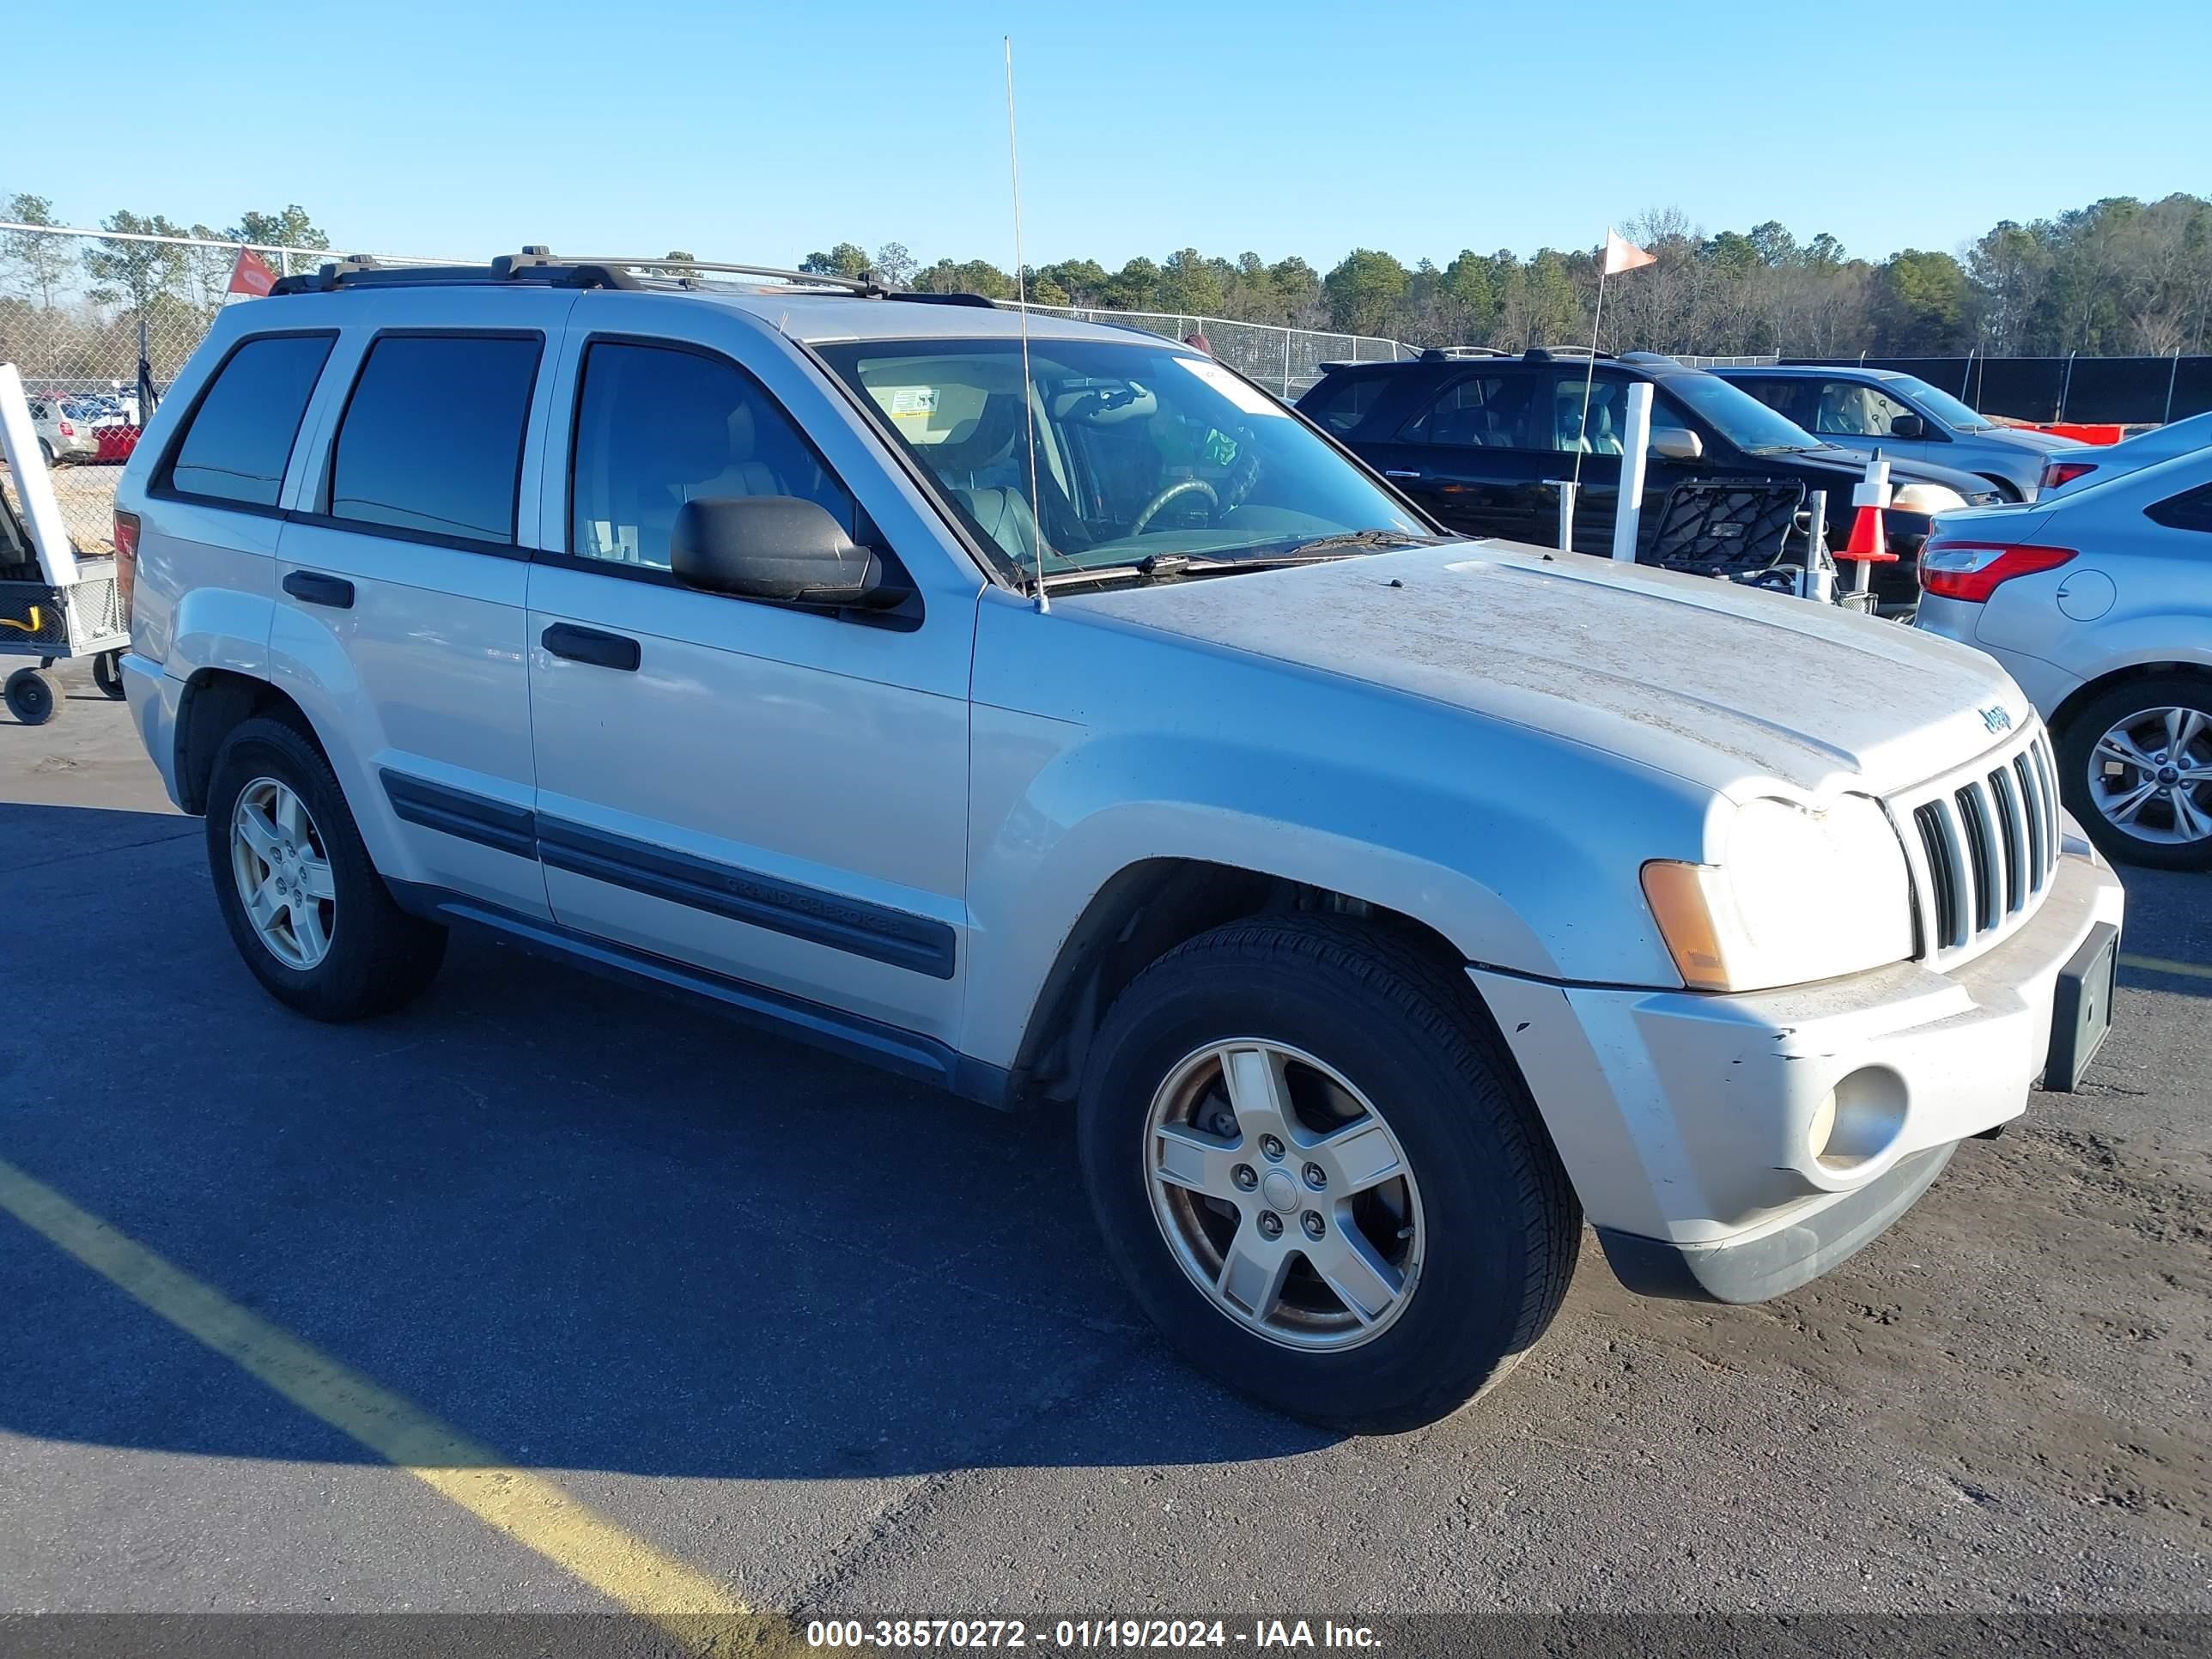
127,560
67,431
1974,570
2055,473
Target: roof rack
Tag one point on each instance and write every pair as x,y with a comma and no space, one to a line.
1545,353
1450,354
536,266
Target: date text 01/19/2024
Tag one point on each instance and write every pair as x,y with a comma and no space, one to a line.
1086,1633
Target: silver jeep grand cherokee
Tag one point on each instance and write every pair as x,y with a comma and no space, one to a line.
1382,903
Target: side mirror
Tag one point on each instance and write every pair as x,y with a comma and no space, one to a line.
777,549
1676,443
1907,426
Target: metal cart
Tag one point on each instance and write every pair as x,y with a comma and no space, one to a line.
42,621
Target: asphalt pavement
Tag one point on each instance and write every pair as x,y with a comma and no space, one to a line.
841,1344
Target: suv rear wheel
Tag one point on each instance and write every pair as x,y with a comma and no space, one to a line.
2137,761
304,905
1317,1174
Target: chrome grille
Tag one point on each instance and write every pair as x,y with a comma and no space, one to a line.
1982,847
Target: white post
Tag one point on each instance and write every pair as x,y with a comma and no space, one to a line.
1566,488
1819,581
1635,441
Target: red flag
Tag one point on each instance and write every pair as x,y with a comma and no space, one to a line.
1621,254
251,276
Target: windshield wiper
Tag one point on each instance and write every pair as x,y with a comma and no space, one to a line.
1318,549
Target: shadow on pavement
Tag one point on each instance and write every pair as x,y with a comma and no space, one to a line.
591,1227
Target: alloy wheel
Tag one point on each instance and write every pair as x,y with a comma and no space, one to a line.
2150,777
1283,1194
283,873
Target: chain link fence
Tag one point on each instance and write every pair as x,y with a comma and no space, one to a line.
1287,360
98,321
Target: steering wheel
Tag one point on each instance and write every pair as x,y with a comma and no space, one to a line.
1180,487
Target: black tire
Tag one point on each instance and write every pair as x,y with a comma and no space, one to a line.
379,958
46,453
33,696
2087,726
108,675
1501,1220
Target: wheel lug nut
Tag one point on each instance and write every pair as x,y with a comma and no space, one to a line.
1316,1177
1270,1224
1271,1147
1314,1225
1245,1177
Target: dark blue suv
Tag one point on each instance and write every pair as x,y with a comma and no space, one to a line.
1480,439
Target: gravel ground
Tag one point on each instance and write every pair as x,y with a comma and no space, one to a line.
846,1345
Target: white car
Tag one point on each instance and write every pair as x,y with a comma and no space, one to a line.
68,427
2098,601
1382,903
2078,468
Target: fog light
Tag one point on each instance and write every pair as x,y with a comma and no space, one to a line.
1858,1120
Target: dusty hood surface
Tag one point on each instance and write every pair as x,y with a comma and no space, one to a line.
1731,688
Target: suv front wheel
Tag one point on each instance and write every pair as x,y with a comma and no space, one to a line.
1319,1177
305,906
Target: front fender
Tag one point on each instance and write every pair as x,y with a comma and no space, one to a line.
1522,865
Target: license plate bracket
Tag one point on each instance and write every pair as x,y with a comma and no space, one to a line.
2082,1008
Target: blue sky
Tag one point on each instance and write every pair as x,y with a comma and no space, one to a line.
757,132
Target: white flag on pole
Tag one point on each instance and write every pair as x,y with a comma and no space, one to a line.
1621,254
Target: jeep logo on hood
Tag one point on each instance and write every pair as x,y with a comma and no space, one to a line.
1996,719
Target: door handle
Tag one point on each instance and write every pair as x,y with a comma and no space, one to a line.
1394,472
617,651
313,587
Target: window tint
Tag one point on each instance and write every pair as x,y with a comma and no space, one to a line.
1342,404
241,434
432,438
1798,399
2189,510
1488,412
1849,408
656,427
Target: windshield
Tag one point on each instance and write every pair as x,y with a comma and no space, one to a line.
1142,451
1943,406
1744,421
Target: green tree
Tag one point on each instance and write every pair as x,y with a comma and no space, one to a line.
1921,304
846,259
1135,287
1364,291
1188,284
133,272
289,228
39,263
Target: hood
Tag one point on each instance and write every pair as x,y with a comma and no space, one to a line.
1901,470
1733,689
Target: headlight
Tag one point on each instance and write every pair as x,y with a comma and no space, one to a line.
1797,895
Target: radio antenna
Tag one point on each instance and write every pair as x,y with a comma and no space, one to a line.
1022,305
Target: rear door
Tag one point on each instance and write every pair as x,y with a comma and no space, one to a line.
401,616
1474,454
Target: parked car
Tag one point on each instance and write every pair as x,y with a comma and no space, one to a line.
2098,602
1478,441
1906,418
2100,463
1382,904
68,427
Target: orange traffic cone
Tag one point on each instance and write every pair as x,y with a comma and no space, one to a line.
1868,545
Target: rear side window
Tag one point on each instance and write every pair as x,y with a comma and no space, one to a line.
1798,399
2189,510
1488,412
241,434
1342,404
432,437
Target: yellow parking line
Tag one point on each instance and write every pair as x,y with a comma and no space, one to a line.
2165,965
700,1613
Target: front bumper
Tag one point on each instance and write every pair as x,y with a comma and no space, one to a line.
1688,1121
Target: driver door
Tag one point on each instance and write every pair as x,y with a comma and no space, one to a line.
774,795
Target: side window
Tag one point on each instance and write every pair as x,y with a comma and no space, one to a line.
2189,510
1848,409
1567,429
656,427
1485,411
241,437
1790,398
432,437
1343,403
